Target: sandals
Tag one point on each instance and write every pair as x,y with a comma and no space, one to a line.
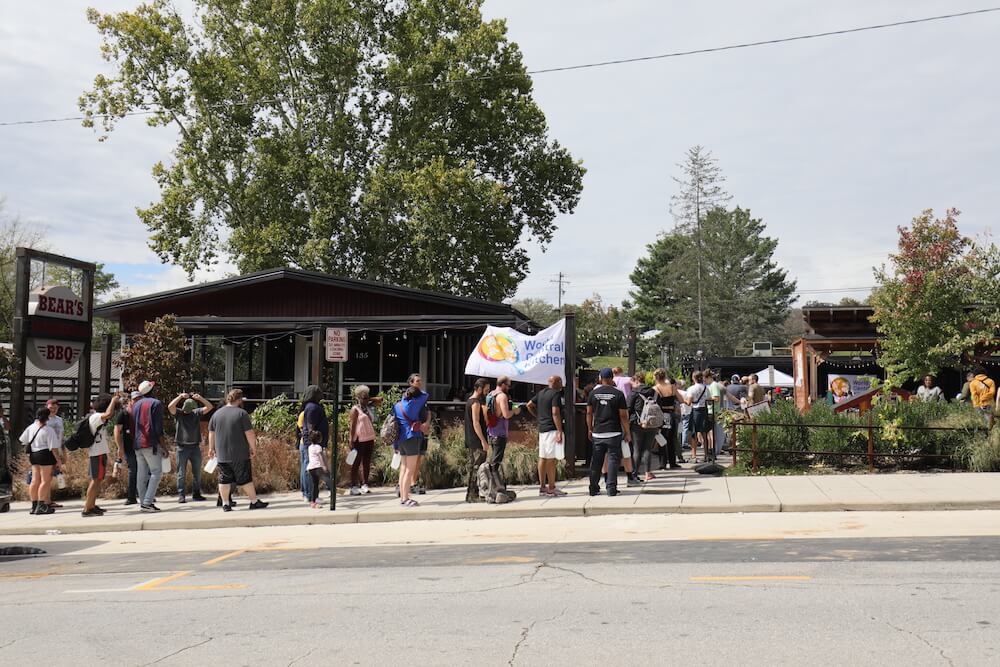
410,503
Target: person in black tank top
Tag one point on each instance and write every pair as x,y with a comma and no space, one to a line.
668,454
475,436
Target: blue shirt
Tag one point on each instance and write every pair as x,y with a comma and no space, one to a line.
409,412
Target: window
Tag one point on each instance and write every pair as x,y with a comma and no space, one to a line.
397,360
363,361
248,362
280,360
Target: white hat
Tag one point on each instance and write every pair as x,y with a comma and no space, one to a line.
145,387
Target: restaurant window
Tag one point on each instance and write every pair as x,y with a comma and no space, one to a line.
363,363
208,354
397,363
280,360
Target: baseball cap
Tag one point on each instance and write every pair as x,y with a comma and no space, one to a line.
135,395
607,374
190,405
146,386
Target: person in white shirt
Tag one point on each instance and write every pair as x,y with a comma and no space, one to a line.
104,409
701,426
55,421
928,393
42,445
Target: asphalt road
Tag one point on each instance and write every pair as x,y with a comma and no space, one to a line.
916,601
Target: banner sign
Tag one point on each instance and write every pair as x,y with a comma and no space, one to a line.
845,387
522,358
758,409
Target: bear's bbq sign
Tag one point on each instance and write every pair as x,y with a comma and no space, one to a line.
59,324
58,302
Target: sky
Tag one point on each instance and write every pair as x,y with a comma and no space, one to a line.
832,142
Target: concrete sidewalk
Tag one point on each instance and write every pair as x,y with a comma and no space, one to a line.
681,491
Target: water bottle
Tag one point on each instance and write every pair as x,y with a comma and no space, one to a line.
117,467
396,461
351,456
61,481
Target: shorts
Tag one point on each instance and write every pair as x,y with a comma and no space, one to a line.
412,447
239,473
44,457
700,423
423,446
98,467
547,445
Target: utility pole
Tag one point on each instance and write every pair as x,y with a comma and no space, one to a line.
561,280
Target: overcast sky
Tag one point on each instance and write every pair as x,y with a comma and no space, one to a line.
833,142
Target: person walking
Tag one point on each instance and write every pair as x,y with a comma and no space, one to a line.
232,441
547,408
188,440
502,411
408,413
607,428
928,392
126,447
666,397
643,435
104,409
697,399
476,440
983,390
361,426
417,382
623,382
147,415
44,449
313,419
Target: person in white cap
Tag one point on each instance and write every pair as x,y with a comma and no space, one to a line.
147,416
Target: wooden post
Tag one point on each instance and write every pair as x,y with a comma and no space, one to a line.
871,444
335,438
105,381
632,332
316,368
17,408
569,396
83,365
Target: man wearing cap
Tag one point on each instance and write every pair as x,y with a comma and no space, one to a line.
188,440
147,419
607,428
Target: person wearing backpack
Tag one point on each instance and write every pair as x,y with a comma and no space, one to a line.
983,391
43,450
498,413
697,399
104,409
147,416
547,407
646,418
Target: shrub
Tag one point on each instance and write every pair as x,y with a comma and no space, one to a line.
789,438
982,454
277,417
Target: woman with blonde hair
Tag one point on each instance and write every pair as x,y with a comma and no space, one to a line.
666,398
361,426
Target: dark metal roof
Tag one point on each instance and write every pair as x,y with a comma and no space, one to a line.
414,323
113,309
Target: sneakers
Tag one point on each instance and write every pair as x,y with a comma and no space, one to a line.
257,505
314,505
633,482
475,499
355,491
227,508
365,490
418,490
397,491
45,509
90,512
543,491
99,510
557,493
612,494
410,503
182,499
151,507
218,502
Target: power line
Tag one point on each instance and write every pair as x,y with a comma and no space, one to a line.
567,68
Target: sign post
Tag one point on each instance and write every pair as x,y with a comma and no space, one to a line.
336,353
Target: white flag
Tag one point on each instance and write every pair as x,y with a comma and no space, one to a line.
522,358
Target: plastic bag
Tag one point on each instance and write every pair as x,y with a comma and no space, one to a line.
165,464
211,465
396,461
351,456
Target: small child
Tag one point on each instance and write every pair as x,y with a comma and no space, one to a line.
317,465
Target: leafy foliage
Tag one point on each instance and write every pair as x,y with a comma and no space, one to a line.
159,354
539,311
340,135
601,329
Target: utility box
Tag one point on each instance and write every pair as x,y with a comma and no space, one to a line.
763,349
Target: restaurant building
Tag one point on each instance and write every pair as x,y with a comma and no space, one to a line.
264,332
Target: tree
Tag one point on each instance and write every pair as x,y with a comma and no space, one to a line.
354,137
746,295
600,328
700,191
919,303
539,311
159,354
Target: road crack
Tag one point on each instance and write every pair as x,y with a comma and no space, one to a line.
301,657
927,643
181,650
527,631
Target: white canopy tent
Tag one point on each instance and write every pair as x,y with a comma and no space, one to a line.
771,377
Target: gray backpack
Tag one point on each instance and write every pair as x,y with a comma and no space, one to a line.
491,485
652,414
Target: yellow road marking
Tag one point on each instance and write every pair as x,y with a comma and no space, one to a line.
753,578
231,554
151,585
26,575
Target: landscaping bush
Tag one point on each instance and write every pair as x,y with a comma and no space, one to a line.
788,438
982,453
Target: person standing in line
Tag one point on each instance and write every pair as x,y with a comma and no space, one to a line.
623,382
43,449
56,422
104,409
317,466
126,447
643,436
313,419
502,413
666,398
417,382
147,415
697,399
361,426
983,391
755,392
547,407
685,420
928,392
607,428
232,441
476,440
188,440
408,413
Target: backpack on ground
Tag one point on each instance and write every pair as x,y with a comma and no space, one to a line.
81,437
491,485
491,407
390,428
651,415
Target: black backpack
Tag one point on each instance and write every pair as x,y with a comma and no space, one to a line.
81,438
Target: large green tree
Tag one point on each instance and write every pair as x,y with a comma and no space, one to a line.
938,300
539,311
746,295
396,140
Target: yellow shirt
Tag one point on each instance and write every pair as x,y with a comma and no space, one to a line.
983,391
